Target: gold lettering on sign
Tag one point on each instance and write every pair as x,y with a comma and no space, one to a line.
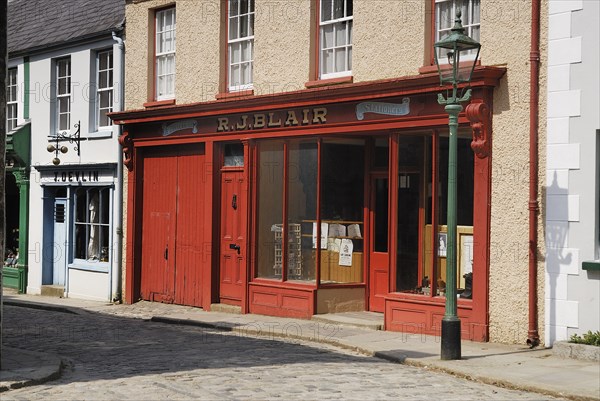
273,123
241,126
291,119
223,124
259,121
305,116
319,115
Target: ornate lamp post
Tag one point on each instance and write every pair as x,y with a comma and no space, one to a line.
454,47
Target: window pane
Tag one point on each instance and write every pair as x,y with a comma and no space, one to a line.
104,243
338,9
251,27
445,15
233,7
340,60
103,119
349,8
103,79
103,61
104,206
380,188
476,11
342,201
340,34
236,53
326,6
270,208
243,26
302,209
63,86
234,76
410,159
105,99
246,48
243,6
80,203
63,105
246,74
327,62
349,52
80,241
327,36
233,28
233,155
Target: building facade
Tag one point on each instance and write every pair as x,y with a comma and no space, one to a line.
68,77
572,219
290,159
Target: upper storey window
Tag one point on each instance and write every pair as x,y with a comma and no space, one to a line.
11,100
165,54
240,43
63,94
104,96
335,38
445,14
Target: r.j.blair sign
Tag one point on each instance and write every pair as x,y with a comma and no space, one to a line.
276,119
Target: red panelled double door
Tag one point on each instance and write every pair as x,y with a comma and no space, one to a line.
173,246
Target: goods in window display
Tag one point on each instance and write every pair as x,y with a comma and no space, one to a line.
294,250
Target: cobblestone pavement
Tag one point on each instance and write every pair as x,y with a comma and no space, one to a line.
121,358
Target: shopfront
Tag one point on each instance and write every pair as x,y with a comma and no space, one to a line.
317,201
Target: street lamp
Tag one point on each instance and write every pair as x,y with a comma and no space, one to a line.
459,50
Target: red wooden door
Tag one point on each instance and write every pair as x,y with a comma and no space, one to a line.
173,246
158,228
191,252
232,237
379,260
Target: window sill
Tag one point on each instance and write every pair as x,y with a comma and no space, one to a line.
330,81
103,133
97,266
236,94
592,265
159,103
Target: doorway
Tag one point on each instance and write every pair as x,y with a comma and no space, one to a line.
232,237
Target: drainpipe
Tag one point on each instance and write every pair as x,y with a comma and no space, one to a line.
116,277
533,338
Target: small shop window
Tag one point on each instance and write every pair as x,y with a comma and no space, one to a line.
92,224
233,155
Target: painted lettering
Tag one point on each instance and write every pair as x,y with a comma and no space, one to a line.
223,124
259,121
273,123
291,119
305,116
319,115
243,124
56,176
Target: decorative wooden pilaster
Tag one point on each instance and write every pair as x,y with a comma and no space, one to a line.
22,179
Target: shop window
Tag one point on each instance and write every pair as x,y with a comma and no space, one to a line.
296,250
165,54
432,274
240,44
342,208
335,38
63,94
445,14
270,209
104,85
11,100
92,224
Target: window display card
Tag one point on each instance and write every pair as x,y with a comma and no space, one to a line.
324,234
346,250
337,230
354,231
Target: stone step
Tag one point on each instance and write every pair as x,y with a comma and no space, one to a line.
362,320
56,291
236,310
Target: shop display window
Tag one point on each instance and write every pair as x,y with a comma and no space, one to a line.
92,224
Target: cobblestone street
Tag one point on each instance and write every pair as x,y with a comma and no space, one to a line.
116,357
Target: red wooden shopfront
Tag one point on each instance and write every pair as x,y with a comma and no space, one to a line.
253,201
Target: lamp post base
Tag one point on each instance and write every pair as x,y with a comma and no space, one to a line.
450,339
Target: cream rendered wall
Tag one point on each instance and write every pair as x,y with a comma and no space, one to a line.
388,38
282,56
505,38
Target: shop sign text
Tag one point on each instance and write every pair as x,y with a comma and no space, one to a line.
289,118
76,176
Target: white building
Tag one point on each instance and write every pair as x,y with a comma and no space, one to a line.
68,57
573,170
